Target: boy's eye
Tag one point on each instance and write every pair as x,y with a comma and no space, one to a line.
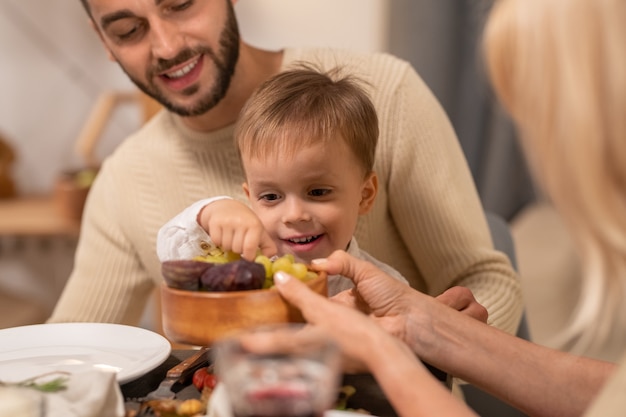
269,197
319,192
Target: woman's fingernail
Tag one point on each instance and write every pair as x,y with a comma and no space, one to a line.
281,277
319,261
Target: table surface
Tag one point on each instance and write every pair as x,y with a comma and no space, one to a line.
368,394
35,216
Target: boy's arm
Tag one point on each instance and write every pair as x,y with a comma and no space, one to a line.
215,222
182,236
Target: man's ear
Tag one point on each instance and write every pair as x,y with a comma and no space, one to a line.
368,193
106,47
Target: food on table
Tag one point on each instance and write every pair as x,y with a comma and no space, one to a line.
205,381
345,392
171,408
184,274
204,378
233,276
49,382
227,271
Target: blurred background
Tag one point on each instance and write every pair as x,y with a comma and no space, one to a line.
55,74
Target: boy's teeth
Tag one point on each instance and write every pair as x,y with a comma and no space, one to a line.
303,239
183,71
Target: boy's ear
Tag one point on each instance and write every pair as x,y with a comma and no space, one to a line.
106,48
368,193
246,189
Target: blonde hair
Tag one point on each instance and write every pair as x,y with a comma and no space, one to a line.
304,106
559,68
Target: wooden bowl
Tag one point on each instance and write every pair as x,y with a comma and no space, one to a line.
201,317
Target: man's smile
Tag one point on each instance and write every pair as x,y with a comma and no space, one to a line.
181,72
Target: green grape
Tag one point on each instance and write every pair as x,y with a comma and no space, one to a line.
299,270
232,256
267,263
218,256
283,263
211,259
310,275
269,283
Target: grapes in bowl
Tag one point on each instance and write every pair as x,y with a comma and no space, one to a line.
205,299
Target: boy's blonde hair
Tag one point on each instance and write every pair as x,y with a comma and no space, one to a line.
302,107
559,67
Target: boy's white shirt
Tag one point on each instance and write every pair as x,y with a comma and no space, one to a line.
182,238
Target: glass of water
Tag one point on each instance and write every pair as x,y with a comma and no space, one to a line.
290,370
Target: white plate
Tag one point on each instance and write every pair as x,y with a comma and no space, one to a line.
29,351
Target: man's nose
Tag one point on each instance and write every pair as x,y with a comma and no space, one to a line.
166,39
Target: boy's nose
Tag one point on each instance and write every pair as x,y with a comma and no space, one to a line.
295,211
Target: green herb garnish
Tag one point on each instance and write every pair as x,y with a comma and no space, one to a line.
48,385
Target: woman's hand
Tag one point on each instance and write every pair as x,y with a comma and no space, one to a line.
389,302
358,335
401,310
381,295
462,299
410,388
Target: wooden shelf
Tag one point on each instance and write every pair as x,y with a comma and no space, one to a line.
35,216
41,215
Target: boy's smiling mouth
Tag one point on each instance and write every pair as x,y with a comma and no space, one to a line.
303,240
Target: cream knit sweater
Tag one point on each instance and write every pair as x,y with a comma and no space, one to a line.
427,221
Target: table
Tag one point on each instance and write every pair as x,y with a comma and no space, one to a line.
35,216
368,396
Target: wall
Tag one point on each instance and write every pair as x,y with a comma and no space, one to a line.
54,69
354,24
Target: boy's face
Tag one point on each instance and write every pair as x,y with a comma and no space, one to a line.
183,53
310,202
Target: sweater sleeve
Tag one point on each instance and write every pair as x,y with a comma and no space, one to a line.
436,208
108,283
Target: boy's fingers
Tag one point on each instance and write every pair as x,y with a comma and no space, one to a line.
267,245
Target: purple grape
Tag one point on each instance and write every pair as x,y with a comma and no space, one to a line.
233,276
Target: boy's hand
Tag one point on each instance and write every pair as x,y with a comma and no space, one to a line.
234,226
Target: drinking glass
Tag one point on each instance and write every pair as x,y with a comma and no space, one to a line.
287,370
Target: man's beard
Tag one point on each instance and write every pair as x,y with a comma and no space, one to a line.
229,54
